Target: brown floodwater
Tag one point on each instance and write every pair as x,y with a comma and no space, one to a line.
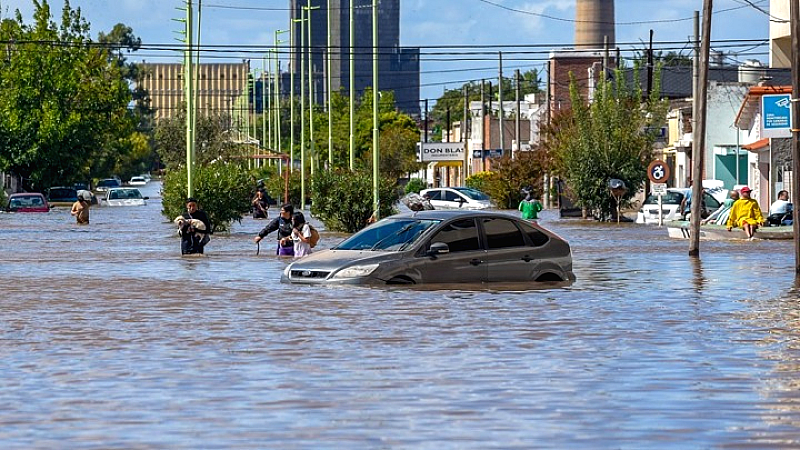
109,339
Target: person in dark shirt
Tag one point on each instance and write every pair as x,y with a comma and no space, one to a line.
194,240
283,225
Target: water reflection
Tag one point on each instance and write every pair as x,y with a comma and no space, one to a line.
111,339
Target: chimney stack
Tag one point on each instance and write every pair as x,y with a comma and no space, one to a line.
594,21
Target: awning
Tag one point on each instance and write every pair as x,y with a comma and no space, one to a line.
751,106
757,145
445,164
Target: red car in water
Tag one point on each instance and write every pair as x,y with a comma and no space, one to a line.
27,202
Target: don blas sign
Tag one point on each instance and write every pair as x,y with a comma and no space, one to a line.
440,151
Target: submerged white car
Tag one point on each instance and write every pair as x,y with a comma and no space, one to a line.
457,198
124,197
671,203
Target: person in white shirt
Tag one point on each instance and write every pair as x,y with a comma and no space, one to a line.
780,210
301,235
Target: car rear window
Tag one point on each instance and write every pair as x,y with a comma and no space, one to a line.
63,193
502,233
536,237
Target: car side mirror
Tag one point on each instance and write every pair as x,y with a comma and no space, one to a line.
438,248
145,198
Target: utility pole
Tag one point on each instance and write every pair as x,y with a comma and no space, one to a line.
794,19
698,151
292,60
352,86
517,123
330,85
311,90
500,103
189,95
483,126
464,128
301,58
695,86
375,125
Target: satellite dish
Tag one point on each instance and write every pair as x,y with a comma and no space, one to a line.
616,184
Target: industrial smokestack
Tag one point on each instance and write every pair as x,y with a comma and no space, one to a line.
594,20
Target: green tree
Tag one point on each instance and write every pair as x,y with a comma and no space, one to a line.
343,198
609,138
509,176
213,140
60,98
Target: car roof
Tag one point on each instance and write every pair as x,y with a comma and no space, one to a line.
27,194
445,214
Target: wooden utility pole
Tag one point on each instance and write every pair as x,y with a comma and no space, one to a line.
794,20
699,145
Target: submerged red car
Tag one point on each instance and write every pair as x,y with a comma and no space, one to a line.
27,202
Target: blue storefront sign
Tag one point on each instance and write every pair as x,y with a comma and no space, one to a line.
776,116
489,153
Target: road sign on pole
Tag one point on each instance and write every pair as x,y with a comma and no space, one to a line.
658,171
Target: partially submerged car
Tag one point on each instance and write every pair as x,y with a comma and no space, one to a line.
440,246
137,181
107,183
27,202
457,198
124,197
671,202
62,196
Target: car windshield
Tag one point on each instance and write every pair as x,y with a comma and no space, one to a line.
473,193
388,235
107,183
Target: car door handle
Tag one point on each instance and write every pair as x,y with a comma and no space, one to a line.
476,262
527,258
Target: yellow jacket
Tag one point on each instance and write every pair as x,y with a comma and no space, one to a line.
745,210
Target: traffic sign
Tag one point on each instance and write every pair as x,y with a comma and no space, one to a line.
658,171
659,188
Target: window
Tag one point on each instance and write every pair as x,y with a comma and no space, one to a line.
460,236
502,233
536,237
435,194
451,196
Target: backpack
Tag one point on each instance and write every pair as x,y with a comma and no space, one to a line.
314,238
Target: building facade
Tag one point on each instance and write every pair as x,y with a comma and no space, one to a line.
218,87
398,67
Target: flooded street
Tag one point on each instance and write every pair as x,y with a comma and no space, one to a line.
111,340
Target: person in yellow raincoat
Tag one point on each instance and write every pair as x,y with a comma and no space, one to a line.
745,213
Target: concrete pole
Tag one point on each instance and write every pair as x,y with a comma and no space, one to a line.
311,92
698,152
794,20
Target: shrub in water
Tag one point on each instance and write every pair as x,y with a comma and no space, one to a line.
222,189
342,199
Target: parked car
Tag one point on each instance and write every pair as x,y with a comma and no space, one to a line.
137,181
439,246
27,202
107,183
457,198
124,197
62,196
671,202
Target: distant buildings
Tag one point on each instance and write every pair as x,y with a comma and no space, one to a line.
398,67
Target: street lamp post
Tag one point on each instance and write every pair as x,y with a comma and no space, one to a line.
311,99
352,85
277,90
328,73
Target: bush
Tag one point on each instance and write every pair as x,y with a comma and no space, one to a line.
415,185
342,199
479,180
223,190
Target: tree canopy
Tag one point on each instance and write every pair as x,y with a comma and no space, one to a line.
63,105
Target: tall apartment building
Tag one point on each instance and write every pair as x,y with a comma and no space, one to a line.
398,67
218,86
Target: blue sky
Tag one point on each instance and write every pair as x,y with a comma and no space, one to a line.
545,24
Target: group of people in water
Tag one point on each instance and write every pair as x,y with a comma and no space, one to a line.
293,232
